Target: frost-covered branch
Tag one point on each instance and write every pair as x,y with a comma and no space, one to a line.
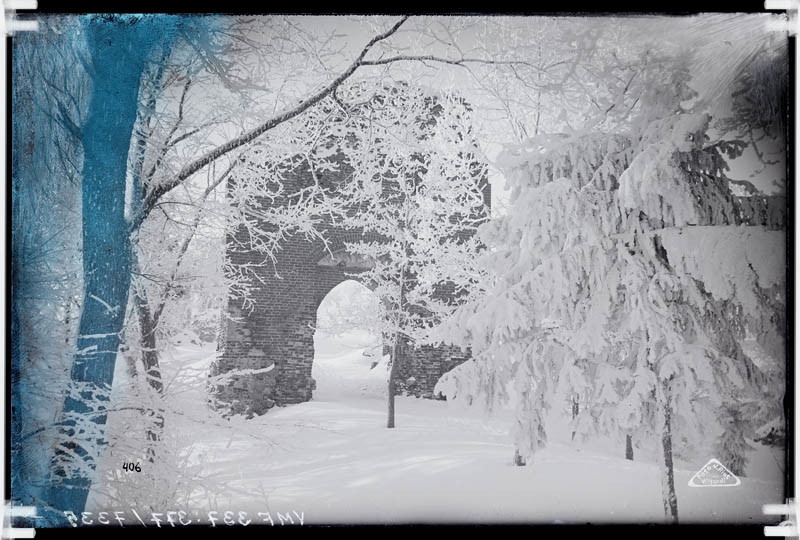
190,168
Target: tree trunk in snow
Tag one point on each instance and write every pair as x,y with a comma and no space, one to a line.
395,360
118,48
152,370
148,344
628,447
392,381
667,470
519,461
575,411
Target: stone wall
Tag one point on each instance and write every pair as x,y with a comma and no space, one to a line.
277,334
420,368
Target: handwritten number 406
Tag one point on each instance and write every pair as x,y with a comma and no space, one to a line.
130,467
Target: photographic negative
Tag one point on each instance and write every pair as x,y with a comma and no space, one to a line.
284,270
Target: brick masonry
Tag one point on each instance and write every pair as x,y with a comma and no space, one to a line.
279,331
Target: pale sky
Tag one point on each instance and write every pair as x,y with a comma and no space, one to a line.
503,38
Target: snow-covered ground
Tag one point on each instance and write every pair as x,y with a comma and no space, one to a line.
331,460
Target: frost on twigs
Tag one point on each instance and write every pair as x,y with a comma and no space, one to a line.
668,301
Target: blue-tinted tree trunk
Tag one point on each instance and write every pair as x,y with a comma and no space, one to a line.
18,469
118,49
22,113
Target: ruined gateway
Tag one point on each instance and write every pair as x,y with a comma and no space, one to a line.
279,331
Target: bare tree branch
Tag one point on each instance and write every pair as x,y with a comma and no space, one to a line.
190,168
185,247
452,61
168,143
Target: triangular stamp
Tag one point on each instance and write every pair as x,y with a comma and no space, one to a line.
714,474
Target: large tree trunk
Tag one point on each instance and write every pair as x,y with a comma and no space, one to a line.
118,48
669,496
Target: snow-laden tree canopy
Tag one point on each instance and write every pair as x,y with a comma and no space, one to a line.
627,272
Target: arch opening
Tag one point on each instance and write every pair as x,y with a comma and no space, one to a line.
349,364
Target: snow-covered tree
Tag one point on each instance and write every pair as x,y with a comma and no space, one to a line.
620,267
117,112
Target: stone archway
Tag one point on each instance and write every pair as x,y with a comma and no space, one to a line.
267,353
